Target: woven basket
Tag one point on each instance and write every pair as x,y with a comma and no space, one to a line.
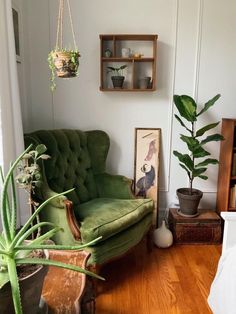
65,68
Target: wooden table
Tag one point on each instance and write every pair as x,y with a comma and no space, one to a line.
63,289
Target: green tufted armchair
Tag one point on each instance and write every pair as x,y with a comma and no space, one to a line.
100,205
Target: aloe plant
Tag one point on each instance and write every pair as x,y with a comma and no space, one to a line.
14,250
187,108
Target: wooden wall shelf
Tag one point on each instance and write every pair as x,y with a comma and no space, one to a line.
137,67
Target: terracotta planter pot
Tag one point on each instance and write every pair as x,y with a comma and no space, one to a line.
65,68
189,203
31,289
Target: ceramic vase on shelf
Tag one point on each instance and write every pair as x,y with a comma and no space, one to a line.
163,237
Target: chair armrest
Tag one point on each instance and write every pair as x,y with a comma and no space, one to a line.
60,211
114,186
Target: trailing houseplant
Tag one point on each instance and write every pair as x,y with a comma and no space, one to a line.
188,110
64,63
15,250
118,77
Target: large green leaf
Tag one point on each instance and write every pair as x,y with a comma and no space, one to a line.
212,138
207,162
203,177
185,159
200,152
182,123
186,106
197,172
186,169
209,104
190,141
201,131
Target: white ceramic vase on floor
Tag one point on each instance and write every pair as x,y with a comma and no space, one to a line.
163,237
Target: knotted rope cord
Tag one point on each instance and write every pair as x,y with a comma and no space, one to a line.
71,24
60,25
59,30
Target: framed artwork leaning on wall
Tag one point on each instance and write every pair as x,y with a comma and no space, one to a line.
146,165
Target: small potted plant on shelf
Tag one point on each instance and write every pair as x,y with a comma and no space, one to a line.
23,262
189,198
117,78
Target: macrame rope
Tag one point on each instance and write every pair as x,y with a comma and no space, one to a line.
71,23
59,23
59,38
62,11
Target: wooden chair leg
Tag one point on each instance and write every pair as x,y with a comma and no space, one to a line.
94,282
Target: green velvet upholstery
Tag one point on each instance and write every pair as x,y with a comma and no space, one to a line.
103,204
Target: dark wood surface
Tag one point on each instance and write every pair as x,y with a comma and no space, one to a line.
167,281
63,289
225,165
203,229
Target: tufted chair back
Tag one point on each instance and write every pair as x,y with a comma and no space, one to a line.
76,157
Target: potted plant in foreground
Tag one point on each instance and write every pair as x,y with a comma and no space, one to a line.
16,253
189,198
117,78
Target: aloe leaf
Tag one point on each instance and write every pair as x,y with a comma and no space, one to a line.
182,123
185,159
209,104
32,229
14,286
24,252
2,241
207,162
7,197
32,217
45,236
57,246
3,207
13,208
48,262
186,106
4,278
212,138
208,127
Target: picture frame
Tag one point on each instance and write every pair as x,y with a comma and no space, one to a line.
146,165
16,29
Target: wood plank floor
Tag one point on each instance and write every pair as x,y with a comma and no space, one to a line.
175,280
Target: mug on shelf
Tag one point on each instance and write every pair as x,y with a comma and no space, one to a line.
125,52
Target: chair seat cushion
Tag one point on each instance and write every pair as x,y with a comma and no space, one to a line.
106,217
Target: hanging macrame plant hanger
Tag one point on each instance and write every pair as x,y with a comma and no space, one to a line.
63,61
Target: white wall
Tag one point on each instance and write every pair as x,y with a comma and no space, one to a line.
196,56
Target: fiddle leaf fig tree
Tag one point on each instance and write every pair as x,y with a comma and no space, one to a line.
187,109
